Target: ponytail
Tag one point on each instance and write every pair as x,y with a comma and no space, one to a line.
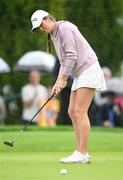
49,43
48,35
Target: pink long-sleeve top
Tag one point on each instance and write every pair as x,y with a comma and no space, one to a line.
73,51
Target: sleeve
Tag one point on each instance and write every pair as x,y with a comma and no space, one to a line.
69,47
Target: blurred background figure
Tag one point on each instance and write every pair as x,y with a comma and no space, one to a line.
111,113
107,73
33,96
99,98
52,111
64,97
10,98
2,111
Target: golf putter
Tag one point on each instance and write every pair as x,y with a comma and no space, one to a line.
11,142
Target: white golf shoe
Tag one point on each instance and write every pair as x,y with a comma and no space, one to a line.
76,157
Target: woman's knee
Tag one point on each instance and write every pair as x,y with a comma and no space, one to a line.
71,113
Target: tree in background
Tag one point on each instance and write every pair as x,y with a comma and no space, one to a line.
57,8
97,20
15,32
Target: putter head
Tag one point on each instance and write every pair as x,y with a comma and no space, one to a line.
8,143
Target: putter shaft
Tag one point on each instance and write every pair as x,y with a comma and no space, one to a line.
12,141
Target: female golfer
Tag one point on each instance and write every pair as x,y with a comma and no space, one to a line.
77,59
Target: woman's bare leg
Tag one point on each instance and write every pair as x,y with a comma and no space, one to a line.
82,102
72,116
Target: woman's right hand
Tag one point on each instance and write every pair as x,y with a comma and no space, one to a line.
59,85
55,89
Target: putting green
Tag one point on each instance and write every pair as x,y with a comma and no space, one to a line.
36,155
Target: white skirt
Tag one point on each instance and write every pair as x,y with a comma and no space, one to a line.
92,77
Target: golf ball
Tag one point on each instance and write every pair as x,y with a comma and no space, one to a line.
63,171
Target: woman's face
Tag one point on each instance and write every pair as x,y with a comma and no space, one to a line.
47,25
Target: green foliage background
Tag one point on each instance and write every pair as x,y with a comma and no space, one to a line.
97,20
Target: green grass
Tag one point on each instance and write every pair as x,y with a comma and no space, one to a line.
36,154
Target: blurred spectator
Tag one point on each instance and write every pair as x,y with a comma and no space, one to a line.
99,98
119,100
49,117
2,111
10,98
111,114
107,73
64,97
52,111
53,108
33,96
